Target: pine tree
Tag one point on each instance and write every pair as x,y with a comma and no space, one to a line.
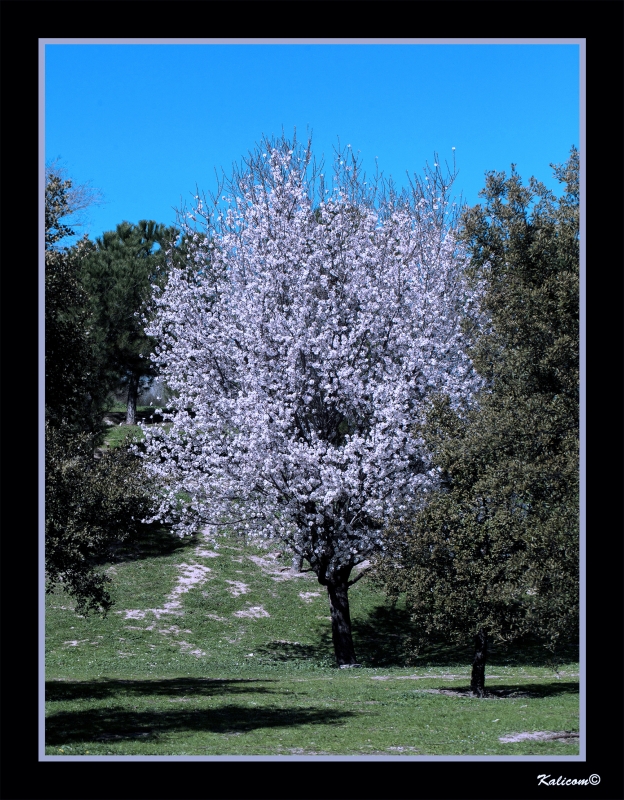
119,276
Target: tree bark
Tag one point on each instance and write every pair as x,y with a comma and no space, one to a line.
341,623
133,392
477,679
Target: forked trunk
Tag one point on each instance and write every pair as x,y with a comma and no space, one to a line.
341,624
477,680
133,393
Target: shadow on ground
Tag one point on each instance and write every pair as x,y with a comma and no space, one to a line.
381,639
118,723
529,690
320,654
388,637
58,691
525,652
151,542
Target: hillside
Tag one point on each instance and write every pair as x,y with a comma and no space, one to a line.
224,649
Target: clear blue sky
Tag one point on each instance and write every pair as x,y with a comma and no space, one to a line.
146,123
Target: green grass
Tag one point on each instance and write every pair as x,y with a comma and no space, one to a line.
206,681
119,434
117,408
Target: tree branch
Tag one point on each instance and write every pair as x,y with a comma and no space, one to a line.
361,575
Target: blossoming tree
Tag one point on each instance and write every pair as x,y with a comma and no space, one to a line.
301,346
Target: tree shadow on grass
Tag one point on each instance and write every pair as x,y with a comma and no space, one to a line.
59,691
320,654
525,652
388,637
382,638
553,689
116,723
530,690
150,542
379,640
529,652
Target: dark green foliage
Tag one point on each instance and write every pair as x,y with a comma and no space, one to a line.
498,549
119,276
75,394
91,503
533,285
69,352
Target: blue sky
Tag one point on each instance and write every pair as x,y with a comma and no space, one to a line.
146,123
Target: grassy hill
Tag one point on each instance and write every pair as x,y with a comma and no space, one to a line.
227,651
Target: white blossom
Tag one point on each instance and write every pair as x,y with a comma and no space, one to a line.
301,357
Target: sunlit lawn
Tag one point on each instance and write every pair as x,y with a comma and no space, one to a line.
244,666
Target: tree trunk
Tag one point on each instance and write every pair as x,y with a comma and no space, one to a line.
133,392
341,623
477,679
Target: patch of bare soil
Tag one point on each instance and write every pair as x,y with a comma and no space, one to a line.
568,737
308,597
237,588
190,575
405,749
273,564
253,612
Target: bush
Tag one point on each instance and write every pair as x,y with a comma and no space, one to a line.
91,505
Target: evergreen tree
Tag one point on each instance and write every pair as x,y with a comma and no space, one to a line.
119,276
495,555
